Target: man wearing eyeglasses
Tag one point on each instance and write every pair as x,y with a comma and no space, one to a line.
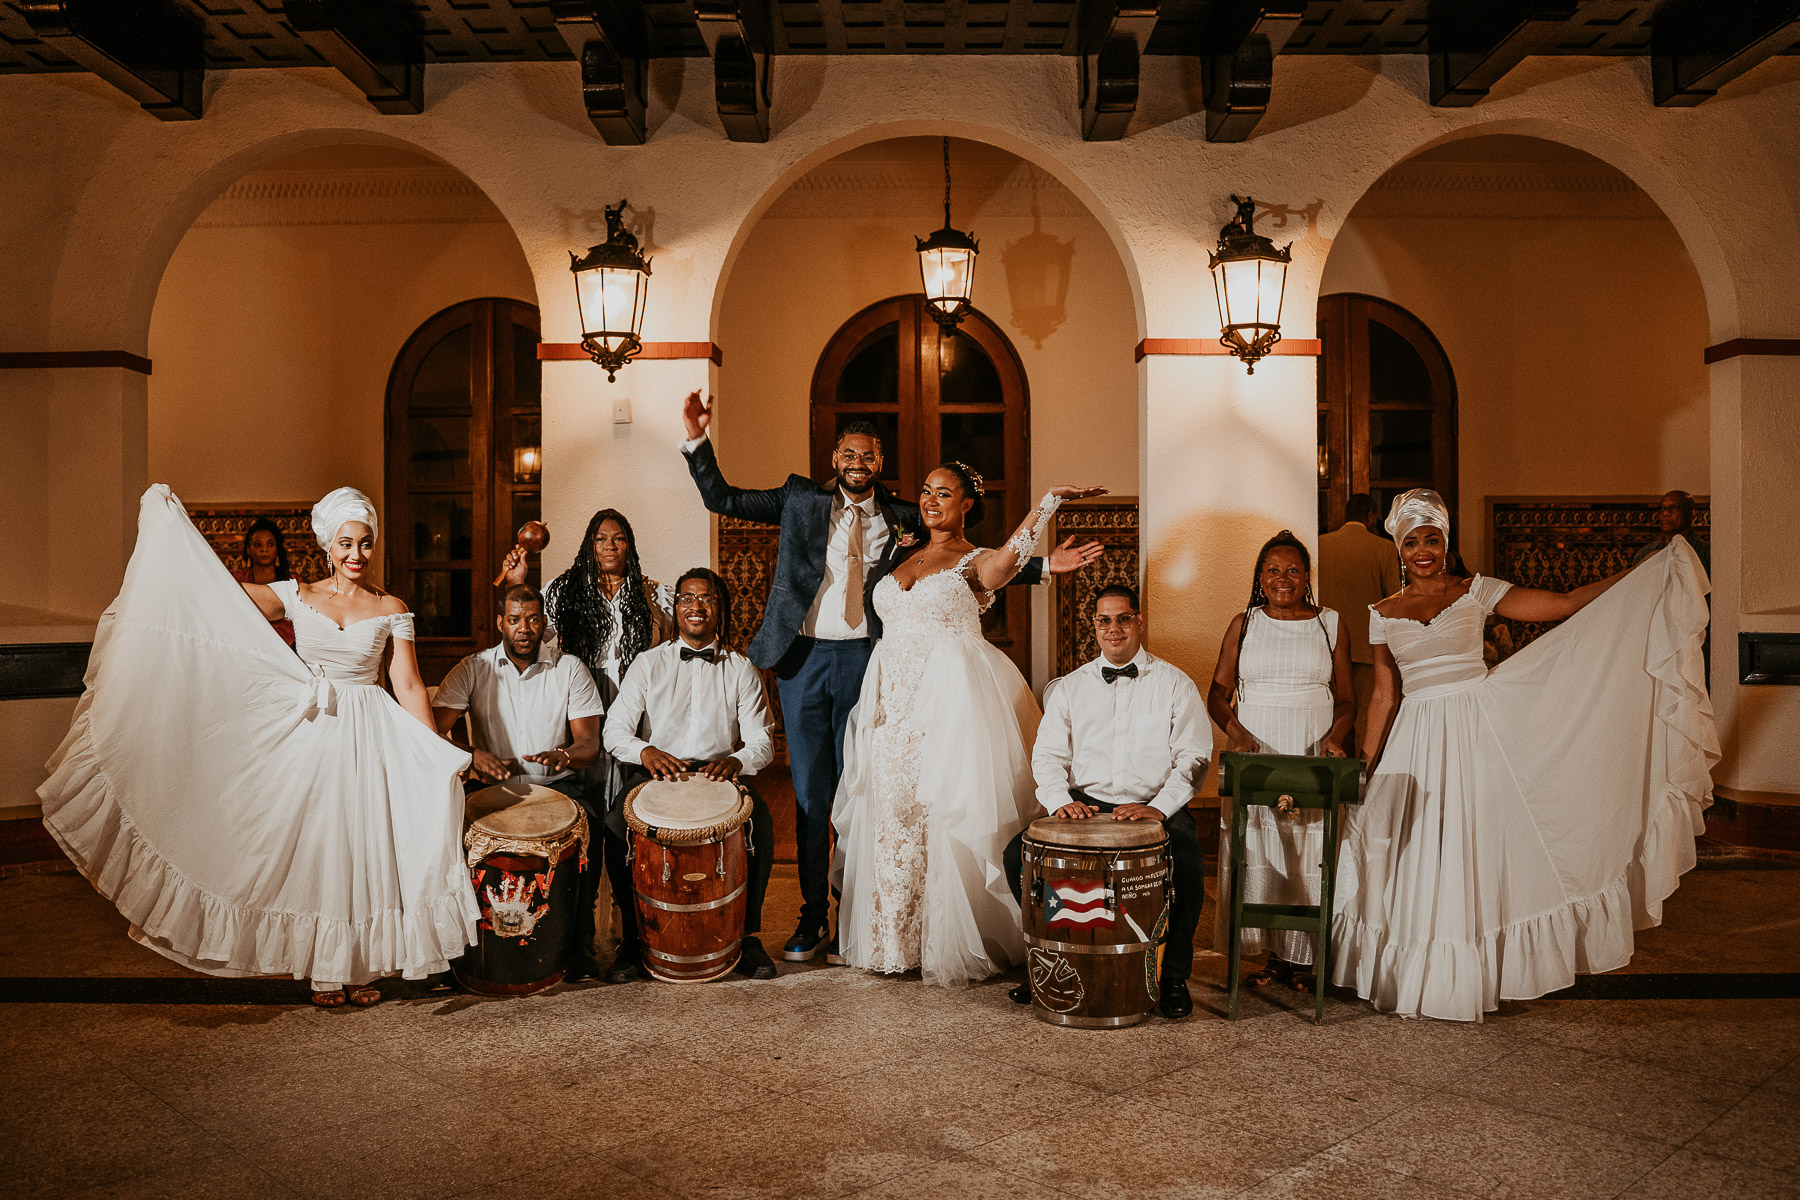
534,716
691,707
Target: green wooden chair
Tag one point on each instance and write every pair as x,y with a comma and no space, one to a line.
1269,781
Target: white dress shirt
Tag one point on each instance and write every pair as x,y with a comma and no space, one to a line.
825,619
1131,741
514,713
694,710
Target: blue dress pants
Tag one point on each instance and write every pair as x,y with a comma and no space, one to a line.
819,682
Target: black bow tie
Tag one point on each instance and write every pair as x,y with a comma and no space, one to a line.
709,655
1129,671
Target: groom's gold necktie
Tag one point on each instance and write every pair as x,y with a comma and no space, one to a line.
853,570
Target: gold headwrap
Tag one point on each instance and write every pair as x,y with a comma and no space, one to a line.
1420,506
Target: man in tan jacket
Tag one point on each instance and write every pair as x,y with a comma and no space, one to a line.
1358,567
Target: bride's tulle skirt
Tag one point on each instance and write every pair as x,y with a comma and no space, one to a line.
972,724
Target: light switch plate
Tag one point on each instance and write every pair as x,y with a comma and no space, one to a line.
622,410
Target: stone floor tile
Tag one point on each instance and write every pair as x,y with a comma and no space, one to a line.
227,1178
1787,1079
1143,1151
1608,1093
1424,1053
1253,1086
1686,1175
604,1103
211,1030
961,1179
796,1056
1109,1060
1763,1129
96,1127
1492,1151
796,1150
1743,1041
1324,1177
576,1179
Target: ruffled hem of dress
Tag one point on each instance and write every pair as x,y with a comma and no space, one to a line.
201,930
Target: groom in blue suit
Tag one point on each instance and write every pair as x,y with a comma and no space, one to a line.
837,540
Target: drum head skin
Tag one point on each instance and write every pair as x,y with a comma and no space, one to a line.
521,811
684,804
1096,833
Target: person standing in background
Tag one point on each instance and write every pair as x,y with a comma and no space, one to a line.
1675,517
1357,569
265,561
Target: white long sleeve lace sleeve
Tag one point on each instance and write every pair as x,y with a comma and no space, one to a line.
1024,541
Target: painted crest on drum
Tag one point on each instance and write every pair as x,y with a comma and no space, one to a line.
1071,904
514,909
1055,984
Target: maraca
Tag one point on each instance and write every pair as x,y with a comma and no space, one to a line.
533,537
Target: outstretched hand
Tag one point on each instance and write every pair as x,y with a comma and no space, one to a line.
1067,492
1069,557
696,414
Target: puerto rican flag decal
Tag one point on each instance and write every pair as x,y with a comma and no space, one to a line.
1069,904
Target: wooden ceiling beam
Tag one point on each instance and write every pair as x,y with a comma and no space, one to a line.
1473,45
1237,64
1697,48
1113,36
608,40
736,33
149,49
375,44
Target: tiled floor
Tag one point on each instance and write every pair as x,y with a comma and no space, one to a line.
827,1082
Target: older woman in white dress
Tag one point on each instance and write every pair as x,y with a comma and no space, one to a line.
1282,687
256,813
1519,825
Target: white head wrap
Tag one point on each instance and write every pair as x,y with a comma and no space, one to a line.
1420,506
344,505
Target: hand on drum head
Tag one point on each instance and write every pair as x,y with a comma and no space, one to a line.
663,766
1136,812
724,769
483,765
1075,810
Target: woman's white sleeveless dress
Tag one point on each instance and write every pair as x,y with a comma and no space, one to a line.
1522,824
1285,671
936,781
252,812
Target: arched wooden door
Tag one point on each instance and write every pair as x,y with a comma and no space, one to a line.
464,458
936,395
1387,406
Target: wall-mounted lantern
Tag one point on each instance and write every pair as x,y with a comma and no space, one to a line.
612,281
1249,277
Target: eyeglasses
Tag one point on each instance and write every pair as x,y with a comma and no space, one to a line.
1123,620
851,458
690,600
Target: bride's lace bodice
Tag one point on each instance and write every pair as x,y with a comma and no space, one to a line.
343,655
935,606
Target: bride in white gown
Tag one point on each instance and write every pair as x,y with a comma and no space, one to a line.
254,812
937,770
1519,825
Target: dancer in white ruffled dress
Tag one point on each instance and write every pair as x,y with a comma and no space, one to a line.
1519,826
256,813
1283,686
937,757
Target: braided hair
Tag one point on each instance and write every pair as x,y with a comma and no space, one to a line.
1284,539
581,613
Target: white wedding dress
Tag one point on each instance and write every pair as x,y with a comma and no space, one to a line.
1522,824
250,811
936,781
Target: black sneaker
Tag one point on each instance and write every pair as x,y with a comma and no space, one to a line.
753,960
832,954
805,943
627,966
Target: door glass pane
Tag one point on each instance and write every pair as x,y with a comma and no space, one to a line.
439,449
528,449
872,376
1397,375
1324,449
527,377
1400,444
965,373
441,602
887,425
978,439
992,529
442,380
443,527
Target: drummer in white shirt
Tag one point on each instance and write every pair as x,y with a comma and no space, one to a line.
691,707
1125,737
534,716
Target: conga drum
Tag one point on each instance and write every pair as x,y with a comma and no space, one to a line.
689,874
1095,910
526,844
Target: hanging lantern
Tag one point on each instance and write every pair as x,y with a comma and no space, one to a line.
1249,277
947,264
611,283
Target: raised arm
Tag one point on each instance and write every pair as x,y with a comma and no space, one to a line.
1534,604
763,506
994,570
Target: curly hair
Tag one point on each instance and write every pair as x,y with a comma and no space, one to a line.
579,609
1283,540
971,488
721,589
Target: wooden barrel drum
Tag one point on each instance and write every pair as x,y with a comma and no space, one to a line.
689,875
525,846
1095,909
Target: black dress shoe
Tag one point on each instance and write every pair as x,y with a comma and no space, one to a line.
581,966
1020,994
805,943
627,967
753,960
1174,1003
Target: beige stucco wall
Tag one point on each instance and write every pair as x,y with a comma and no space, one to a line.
97,195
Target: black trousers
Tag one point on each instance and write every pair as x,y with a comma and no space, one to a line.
618,837
1189,873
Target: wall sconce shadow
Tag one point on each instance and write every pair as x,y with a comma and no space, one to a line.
1037,270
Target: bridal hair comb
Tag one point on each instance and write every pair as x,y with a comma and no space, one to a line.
972,475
